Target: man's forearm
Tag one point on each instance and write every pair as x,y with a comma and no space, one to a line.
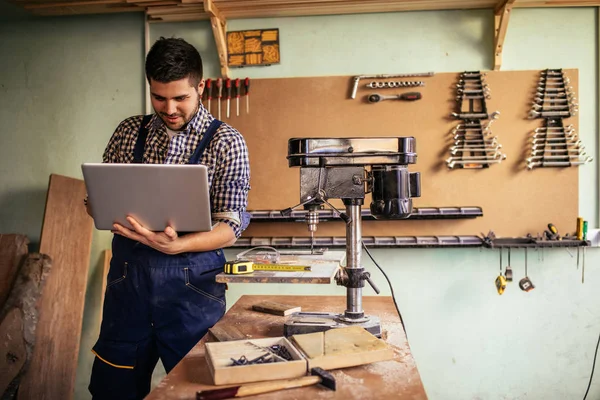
221,236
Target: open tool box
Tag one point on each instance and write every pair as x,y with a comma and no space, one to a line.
280,358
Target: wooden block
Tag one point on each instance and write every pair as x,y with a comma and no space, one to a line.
342,347
226,333
271,307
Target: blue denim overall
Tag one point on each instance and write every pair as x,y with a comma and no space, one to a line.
156,306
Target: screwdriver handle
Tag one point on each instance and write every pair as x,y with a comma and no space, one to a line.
410,96
208,88
228,87
247,86
237,87
219,87
552,228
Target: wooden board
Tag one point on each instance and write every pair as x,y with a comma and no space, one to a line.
515,201
13,249
342,347
323,269
66,237
394,379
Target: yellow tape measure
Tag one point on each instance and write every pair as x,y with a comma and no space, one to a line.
247,267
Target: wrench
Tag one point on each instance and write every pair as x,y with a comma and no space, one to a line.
410,96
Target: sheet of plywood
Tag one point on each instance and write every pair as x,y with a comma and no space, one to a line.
13,249
323,269
515,201
66,237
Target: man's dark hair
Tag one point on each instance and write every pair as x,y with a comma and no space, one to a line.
173,59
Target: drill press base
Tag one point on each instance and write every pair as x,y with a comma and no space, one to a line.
307,322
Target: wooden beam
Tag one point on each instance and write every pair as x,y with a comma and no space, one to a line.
219,27
501,17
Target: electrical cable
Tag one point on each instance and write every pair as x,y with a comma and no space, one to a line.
390,285
593,366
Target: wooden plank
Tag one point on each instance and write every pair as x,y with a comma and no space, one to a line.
342,348
105,269
13,249
226,333
394,379
66,237
323,269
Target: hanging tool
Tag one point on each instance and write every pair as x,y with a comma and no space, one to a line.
579,235
228,89
552,233
317,376
238,267
247,87
500,280
219,93
237,97
525,283
410,96
508,273
208,91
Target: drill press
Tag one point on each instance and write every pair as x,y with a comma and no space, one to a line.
347,169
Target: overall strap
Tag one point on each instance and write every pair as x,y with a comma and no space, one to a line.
140,144
208,135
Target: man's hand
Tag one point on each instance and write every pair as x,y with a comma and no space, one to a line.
165,242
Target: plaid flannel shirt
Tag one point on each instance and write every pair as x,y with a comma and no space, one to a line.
226,158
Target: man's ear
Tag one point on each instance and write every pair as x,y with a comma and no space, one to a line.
201,87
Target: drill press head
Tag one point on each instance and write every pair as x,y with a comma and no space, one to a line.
348,168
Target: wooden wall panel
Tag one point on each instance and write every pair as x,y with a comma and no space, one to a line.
66,238
515,201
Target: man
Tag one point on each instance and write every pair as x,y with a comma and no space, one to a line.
161,294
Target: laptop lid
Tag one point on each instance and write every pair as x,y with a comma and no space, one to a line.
156,195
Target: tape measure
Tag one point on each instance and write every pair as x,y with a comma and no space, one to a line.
238,267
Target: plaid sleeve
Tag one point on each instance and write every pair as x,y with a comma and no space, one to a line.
120,146
231,181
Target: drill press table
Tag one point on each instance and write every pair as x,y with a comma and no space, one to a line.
394,379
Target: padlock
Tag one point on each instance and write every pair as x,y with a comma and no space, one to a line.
500,284
508,274
526,284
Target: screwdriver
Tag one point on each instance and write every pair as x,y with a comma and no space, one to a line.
208,91
219,92
237,97
247,87
228,87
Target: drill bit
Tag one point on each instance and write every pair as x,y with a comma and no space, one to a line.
312,242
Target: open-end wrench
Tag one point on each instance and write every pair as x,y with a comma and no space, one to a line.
536,164
451,164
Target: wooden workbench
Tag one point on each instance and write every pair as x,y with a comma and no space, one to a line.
397,378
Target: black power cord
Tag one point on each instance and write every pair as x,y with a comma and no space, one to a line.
593,366
391,287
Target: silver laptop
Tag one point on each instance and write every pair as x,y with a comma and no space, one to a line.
156,195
